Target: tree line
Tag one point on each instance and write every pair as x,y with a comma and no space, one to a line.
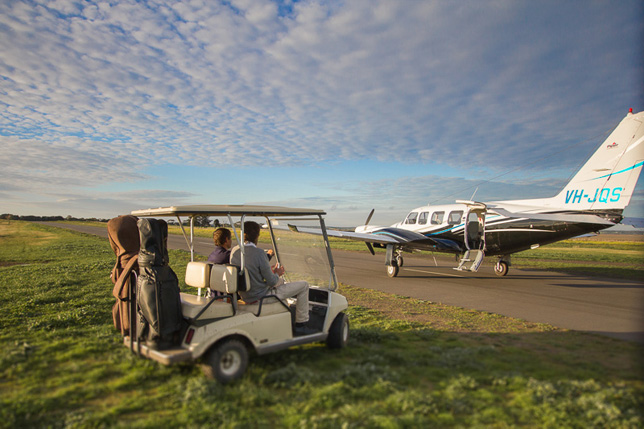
202,221
32,218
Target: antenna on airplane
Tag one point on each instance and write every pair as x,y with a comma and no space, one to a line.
475,191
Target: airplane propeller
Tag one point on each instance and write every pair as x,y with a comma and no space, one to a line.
369,246
369,217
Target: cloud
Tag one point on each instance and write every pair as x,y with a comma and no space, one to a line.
39,166
393,199
96,93
103,205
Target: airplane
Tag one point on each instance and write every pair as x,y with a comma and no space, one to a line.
593,200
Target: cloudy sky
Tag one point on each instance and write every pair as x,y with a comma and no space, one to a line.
345,106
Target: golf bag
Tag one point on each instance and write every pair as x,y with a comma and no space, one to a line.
159,303
123,235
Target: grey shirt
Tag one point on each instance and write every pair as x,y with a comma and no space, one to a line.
261,277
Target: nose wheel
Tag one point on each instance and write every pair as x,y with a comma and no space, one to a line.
501,268
399,259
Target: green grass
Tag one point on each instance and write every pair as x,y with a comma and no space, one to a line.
619,259
409,363
599,251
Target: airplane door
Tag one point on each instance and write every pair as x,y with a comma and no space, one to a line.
474,235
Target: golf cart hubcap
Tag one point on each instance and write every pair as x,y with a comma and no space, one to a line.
230,362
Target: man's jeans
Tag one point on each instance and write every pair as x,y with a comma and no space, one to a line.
299,290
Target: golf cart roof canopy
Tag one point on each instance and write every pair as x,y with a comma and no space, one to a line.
233,210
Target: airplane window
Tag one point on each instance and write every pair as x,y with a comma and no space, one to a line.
437,218
411,219
422,219
455,217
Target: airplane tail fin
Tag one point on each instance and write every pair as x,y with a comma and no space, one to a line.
608,178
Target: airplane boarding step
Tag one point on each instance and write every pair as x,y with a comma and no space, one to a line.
468,263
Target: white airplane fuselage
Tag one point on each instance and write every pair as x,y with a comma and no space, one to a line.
503,235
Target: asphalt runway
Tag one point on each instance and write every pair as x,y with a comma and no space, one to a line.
612,307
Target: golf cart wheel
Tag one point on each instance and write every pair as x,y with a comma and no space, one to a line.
339,332
501,268
226,361
392,270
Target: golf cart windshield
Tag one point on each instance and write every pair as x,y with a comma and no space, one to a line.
304,256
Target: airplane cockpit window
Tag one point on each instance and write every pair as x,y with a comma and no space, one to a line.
411,219
422,219
437,218
455,217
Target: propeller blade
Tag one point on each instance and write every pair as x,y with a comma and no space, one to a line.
369,217
370,247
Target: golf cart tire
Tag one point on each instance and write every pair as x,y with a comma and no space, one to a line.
226,361
339,332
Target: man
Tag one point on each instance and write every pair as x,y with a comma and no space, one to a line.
266,280
223,240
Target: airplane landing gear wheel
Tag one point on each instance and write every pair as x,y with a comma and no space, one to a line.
399,260
501,268
392,270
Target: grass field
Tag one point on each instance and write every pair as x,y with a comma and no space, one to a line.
409,363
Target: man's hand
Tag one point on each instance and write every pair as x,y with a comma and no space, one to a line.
278,269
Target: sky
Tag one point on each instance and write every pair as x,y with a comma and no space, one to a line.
345,106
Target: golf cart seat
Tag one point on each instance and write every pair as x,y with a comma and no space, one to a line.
228,276
198,275
266,306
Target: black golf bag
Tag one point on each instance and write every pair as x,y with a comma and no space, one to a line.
159,303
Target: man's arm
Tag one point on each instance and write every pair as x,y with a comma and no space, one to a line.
265,269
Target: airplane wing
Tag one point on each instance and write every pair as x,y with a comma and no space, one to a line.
389,235
358,236
557,217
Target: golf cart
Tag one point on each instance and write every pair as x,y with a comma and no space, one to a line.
220,330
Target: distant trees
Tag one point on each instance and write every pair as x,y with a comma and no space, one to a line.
32,218
202,221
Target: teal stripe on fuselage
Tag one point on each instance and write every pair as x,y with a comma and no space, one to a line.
445,230
389,234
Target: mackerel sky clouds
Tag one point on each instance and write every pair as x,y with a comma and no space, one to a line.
112,106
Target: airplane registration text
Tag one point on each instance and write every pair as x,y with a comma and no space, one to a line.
603,195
